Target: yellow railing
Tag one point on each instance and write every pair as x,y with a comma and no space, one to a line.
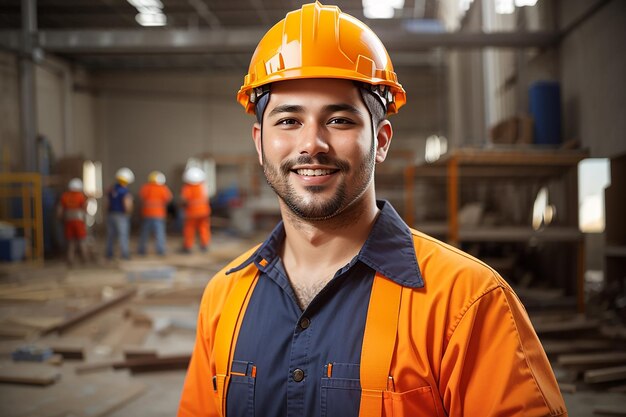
25,188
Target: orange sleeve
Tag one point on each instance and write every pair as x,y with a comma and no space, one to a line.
198,397
494,364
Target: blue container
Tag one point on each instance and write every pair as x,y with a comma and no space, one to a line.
545,106
13,249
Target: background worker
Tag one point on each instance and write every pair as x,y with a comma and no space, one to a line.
120,207
71,210
195,202
154,196
344,310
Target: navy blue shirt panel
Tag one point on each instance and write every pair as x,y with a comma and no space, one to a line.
290,360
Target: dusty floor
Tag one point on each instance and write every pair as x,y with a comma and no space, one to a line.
167,294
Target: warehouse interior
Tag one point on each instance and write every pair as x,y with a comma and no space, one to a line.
511,147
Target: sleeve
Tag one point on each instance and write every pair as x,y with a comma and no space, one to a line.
494,364
167,195
198,397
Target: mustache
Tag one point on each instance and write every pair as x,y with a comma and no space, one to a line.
321,159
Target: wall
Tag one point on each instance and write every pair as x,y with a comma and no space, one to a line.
592,76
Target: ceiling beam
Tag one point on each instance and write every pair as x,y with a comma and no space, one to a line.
245,40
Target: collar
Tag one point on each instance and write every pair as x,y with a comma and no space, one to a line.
389,249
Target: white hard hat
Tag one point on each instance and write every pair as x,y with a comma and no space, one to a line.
75,184
194,175
125,174
157,177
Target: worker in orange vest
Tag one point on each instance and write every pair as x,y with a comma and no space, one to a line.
72,210
345,310
154,196
195,201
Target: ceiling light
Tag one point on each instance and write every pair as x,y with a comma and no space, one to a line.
381,9
151,19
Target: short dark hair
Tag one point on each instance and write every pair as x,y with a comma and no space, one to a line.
374,106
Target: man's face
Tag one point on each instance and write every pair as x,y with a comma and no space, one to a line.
316,146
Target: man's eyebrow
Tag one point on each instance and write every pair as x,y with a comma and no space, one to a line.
334,108
286,108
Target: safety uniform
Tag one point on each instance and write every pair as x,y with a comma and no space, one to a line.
73,205
154,198
461,342
118,220
197,212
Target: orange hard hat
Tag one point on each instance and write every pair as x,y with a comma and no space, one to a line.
320,41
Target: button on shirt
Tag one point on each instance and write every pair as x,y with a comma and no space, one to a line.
295,363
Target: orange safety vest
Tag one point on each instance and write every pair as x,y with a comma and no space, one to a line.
154,199
73,203
460,346
196,200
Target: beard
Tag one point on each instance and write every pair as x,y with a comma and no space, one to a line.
310,204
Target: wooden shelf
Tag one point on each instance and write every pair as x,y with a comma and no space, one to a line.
474,166
519,234
615,251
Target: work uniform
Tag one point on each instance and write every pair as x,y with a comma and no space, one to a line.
73,205
118,220
464,346
197,212
154,198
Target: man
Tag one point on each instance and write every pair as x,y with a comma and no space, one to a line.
155,196
120,207
71,210
344,310
197,209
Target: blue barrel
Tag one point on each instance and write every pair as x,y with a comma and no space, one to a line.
545,106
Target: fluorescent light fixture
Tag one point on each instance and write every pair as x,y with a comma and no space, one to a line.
522,3
151,19
381,9
150,12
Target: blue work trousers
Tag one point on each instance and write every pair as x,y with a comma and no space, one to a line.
118,228
156,226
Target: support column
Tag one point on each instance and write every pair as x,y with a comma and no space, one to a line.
28,104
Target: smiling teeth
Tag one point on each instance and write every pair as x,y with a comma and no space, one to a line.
314,172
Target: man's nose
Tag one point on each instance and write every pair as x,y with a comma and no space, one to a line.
313,140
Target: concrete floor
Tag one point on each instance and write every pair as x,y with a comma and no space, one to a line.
161,392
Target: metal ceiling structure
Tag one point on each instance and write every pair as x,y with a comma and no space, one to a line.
218,34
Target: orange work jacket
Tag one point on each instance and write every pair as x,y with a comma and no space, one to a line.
196,201
463,346
73,204
154,199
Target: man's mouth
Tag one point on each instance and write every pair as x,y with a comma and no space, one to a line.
315,172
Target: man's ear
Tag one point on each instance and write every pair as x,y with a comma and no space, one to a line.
256,137
384,134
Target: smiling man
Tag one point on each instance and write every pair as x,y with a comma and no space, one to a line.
344,310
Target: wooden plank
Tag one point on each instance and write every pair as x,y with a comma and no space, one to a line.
603,358
576,325
90,311
608,410
616,373
29,373
154,364
557,347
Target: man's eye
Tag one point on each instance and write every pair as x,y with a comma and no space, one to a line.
340,121
287,122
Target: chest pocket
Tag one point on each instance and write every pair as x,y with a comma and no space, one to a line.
240,398
418,402
340,390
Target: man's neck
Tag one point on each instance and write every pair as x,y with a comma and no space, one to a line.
314,250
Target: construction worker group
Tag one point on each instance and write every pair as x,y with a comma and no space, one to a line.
154,198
